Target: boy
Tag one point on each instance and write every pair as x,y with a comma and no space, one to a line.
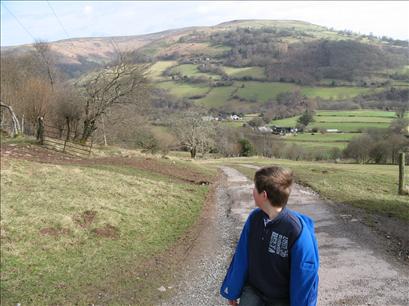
276,260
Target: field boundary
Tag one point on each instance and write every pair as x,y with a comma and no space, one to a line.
62,140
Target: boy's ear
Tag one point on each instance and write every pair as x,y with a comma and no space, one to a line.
265,195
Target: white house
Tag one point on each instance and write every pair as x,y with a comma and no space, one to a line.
235,117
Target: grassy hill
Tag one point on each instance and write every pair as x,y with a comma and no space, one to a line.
242,65
81,231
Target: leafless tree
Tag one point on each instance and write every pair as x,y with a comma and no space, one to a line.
36,97
195,134
43,50
16,124
118,85
67,111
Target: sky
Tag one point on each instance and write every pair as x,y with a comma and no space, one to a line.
22,22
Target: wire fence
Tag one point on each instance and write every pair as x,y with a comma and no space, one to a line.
59,139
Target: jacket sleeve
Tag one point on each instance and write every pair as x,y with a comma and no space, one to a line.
237,273
304,269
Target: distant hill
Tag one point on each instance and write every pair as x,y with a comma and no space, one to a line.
280,46
247,65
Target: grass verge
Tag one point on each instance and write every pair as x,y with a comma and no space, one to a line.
82,234
370,187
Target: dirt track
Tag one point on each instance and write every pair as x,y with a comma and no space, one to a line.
356,268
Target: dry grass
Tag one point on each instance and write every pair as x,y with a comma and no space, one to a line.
71,232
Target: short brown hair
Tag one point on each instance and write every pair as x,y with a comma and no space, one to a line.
276,182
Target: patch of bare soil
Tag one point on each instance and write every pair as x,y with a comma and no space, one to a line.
85,219
42,155
107,231
35,153
54,232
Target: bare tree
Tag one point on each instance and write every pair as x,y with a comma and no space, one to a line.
195,134
67,111
16,124
118,85
44,51
36,97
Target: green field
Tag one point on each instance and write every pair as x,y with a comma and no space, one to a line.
217,96
263,91
70,233
251,91
328,93
325,146
347,121
349,126
318,137
191,70
357,113
182,90
254,72
321,145
158,68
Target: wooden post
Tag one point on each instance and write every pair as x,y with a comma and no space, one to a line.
402,190
40,130
90,147
22,124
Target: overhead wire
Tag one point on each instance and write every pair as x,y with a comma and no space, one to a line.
18,21
115,46
58,19
60,23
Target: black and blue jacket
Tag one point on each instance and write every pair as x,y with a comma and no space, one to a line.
279,258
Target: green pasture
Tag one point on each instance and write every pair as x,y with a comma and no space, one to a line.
217,96
318,137
349,126
191,70
159,67
267,91
263,91
254,72
80,234
357,113
212,50
352,119
181,90
347,121
328,93
318,145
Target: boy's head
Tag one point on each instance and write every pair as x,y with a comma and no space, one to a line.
276,183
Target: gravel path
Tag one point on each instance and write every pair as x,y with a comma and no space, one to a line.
211,254
356,268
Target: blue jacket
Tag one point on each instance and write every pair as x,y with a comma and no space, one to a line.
304,265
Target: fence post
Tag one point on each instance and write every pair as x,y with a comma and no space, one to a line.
90,147
402,190
40,130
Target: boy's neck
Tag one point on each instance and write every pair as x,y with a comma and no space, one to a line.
272,211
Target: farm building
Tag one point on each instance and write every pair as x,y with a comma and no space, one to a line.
279,130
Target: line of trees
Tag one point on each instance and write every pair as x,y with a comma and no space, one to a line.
32,86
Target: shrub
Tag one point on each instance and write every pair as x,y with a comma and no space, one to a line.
246,148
